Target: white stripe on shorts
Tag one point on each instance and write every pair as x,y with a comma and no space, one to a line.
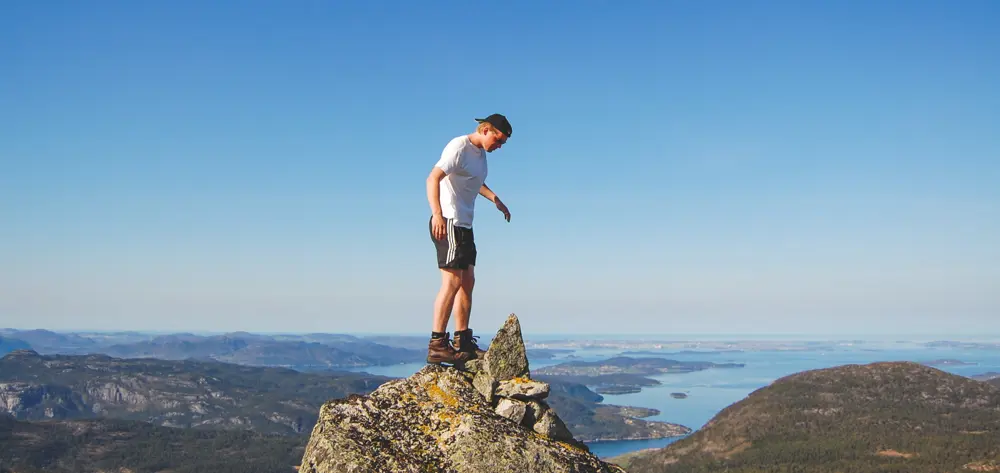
452,246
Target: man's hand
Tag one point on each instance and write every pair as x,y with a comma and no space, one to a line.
501,207
438,228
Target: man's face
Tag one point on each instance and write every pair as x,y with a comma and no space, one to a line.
495,140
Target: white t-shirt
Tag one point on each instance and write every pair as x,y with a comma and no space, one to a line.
464,165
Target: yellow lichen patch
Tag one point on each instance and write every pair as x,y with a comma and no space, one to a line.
520,380
570,446
439,395
452,419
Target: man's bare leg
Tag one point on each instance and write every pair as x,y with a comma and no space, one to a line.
464,340
463,299
439,349
451,283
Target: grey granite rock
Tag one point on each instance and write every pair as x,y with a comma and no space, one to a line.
522,389
437,420
512,409
506,357
550,425
533,412
486,385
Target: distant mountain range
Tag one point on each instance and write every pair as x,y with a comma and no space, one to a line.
266,351
8,345
963,345
46,341
303,352
880,417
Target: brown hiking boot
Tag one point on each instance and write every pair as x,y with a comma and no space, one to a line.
466,343
440,351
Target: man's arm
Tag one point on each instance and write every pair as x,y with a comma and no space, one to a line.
433,197
449,161
434,190
486,192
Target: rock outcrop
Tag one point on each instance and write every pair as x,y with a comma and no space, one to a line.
876,417
489,417
195,394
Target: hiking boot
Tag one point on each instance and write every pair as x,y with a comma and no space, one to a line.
440,351
466,343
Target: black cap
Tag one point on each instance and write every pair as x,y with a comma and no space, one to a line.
499,121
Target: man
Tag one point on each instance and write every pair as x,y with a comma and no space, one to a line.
455,181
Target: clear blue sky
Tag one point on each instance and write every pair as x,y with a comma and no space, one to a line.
675,166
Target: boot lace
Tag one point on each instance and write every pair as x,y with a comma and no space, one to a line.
468,342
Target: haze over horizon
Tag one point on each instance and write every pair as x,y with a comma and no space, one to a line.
822,168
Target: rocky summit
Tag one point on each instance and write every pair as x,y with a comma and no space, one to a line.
488,416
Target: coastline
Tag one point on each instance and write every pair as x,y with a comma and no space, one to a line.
634,438
653,430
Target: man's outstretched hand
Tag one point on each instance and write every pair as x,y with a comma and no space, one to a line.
503,208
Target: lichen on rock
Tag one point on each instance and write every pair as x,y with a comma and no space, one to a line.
440,419
506,357
518,388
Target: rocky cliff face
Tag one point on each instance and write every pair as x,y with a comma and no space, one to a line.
490,416
169,393
41,401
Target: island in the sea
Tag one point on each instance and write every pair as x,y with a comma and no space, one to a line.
621,383
990,375
617,389
628,365
948,362
678,395
676,353
624,375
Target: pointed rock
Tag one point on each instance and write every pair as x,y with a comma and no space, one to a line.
506,357
550,425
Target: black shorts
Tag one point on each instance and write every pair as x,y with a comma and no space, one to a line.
457,250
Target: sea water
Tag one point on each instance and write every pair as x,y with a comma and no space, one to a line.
709,391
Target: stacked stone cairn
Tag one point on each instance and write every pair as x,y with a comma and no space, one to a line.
503,378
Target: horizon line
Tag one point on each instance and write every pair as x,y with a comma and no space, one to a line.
659,336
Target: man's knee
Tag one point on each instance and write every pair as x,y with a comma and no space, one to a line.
452,279
469,279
